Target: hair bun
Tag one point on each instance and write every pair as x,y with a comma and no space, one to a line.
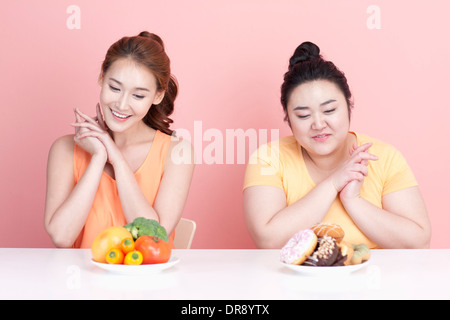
305,52
152,36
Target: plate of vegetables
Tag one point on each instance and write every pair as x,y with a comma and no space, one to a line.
137,270
141,247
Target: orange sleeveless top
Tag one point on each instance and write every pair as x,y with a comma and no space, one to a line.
107,210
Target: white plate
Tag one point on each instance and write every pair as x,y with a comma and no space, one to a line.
325,271
142,269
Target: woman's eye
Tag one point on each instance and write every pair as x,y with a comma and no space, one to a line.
330,111
137,96
302,117
114,88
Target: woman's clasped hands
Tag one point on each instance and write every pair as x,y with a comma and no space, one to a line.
349,178
92,134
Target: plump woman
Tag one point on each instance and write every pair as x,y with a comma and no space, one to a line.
326,173
118,165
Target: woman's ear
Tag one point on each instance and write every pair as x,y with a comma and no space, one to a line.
158,97
100,79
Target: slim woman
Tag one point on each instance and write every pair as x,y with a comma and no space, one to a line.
326,173
118,165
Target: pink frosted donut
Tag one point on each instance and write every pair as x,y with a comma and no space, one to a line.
299,247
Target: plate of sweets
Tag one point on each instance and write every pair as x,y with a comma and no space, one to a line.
139,248
321,250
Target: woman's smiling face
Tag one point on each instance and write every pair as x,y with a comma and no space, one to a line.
128,90
319,117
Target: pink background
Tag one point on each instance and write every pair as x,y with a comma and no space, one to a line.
229,57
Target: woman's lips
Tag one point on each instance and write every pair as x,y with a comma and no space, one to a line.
119,116
321,137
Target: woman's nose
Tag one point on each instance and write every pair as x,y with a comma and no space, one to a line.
122,103
318,123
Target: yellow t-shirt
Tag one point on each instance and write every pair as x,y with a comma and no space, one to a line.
280,163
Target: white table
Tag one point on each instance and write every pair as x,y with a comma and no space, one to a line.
222,274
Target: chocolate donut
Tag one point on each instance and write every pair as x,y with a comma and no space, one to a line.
327,253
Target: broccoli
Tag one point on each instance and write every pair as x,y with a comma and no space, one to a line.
142,226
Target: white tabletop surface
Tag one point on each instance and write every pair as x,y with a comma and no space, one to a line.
222,274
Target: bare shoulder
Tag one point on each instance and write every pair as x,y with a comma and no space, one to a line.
62,148
180,152
179,142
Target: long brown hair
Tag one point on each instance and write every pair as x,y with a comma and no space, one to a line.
147,49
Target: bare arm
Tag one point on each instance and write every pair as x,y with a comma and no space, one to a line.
402,223
271,223
174,188
67,205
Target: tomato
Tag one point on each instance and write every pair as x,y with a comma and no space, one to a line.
153,249
127,245
106,240
133,257
114,256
